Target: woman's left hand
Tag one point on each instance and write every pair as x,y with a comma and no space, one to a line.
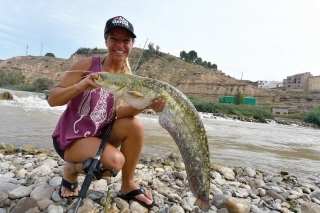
157,105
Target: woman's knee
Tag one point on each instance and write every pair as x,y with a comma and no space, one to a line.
114,161
136,126
127,127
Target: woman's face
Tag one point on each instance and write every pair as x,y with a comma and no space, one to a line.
119,43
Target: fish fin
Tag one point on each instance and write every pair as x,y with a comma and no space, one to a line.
204,205
135,94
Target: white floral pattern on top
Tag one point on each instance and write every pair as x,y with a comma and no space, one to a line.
99,113
84,107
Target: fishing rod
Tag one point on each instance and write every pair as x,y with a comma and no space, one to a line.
94,168
139,57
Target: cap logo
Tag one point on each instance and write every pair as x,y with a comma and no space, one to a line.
120,21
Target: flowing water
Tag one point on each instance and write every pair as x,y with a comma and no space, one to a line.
28,119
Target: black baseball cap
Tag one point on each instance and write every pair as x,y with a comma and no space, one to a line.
118,21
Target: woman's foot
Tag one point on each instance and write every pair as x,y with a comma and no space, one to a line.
145,196
70,175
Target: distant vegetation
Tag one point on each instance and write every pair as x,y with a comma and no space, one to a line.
257,112
150,53
192,57
86,51
15,80
50,55
313,116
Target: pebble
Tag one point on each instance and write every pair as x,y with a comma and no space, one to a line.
30,181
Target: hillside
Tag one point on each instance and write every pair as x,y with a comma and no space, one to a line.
208,84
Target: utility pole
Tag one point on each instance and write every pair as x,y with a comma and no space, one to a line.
241,75
41,49
27,51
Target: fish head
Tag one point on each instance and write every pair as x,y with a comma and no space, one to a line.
127,87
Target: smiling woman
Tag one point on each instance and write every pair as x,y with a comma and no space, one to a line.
90,109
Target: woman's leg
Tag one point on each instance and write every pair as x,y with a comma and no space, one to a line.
131,132
79,152
127,132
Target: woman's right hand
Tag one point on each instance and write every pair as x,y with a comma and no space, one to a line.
73,83
87,83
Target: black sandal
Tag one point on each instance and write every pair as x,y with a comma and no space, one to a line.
70,186
131,196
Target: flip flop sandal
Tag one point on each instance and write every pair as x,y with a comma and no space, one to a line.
131,196
70,186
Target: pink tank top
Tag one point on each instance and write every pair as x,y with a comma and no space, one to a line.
86,114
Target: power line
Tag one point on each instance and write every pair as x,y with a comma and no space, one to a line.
139,57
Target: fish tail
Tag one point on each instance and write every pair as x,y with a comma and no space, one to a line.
204,205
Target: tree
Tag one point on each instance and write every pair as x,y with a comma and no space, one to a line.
214,66
151,47
157,49
199,61
193,55
238,98
205,63
50,55
183,55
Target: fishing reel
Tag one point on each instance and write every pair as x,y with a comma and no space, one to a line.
99,170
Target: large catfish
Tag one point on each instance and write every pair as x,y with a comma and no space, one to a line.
179,117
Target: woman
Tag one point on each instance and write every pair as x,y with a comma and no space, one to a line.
90,109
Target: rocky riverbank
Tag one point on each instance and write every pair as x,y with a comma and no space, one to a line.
30,181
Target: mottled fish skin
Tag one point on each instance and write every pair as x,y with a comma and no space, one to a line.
179,117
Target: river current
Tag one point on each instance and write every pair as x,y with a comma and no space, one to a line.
28,119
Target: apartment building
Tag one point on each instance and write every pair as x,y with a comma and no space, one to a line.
298,82
269,84
314,83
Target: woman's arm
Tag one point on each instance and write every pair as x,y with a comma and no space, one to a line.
71,84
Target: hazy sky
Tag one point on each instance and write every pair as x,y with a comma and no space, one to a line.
263,39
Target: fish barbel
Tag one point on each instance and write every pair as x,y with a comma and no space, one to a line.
179,117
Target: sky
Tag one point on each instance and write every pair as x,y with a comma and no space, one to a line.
247,39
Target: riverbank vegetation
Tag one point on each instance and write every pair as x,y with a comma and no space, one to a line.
15,80
313,116
257,112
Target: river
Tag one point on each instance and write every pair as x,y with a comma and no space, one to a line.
28,119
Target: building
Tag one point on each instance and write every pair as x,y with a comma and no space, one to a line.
314,83
269,84
298,82
279,111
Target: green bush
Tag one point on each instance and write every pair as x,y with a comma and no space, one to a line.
43,84
313,116
9,77
238,98
50,55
